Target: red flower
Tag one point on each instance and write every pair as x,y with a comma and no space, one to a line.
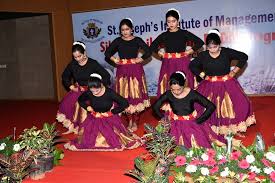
244,164
272,176
222,161
195,162
241,176
266,162
235,155
210,162
211,153
180,160
251,176
214,170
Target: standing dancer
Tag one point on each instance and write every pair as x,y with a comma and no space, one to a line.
176,57
234,112
130,76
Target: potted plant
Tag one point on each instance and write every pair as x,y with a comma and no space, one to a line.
197,164
43,141
14,161
154,167
8,146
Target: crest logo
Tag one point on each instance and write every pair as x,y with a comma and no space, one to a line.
91,30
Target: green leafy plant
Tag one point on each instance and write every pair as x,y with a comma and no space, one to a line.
8,146
58,155
202,165
43,140
160,145
15,167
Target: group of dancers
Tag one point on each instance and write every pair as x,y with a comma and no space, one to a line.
199,115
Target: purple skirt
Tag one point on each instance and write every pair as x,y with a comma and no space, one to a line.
131,84
171,65
103,134
189,133
233,112
70,114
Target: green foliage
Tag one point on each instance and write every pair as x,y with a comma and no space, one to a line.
7,146
43,140
15,167
58,155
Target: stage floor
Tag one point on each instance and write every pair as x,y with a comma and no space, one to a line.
106,167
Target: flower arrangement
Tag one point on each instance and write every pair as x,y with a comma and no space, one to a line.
32,154
15,161
15,167
43,141
244,164
8,146
197,164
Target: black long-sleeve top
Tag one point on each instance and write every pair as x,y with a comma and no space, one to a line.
128,49
103,103
185,106
176,41
81,74
217,66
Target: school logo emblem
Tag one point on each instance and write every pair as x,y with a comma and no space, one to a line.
92,30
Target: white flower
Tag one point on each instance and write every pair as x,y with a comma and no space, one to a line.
16,147
2,146
225,173
191,168
220,157
268,170
250,158
189,154
204,157
204,171
270,156
255,169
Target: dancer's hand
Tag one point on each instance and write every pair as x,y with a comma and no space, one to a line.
189,52
115,59
73,88
234,71
202,75
90,109
232,74
161,53
138,60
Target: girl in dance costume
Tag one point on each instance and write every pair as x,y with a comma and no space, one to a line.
130,77
102,129
187,126
75,78
176,57
234,112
